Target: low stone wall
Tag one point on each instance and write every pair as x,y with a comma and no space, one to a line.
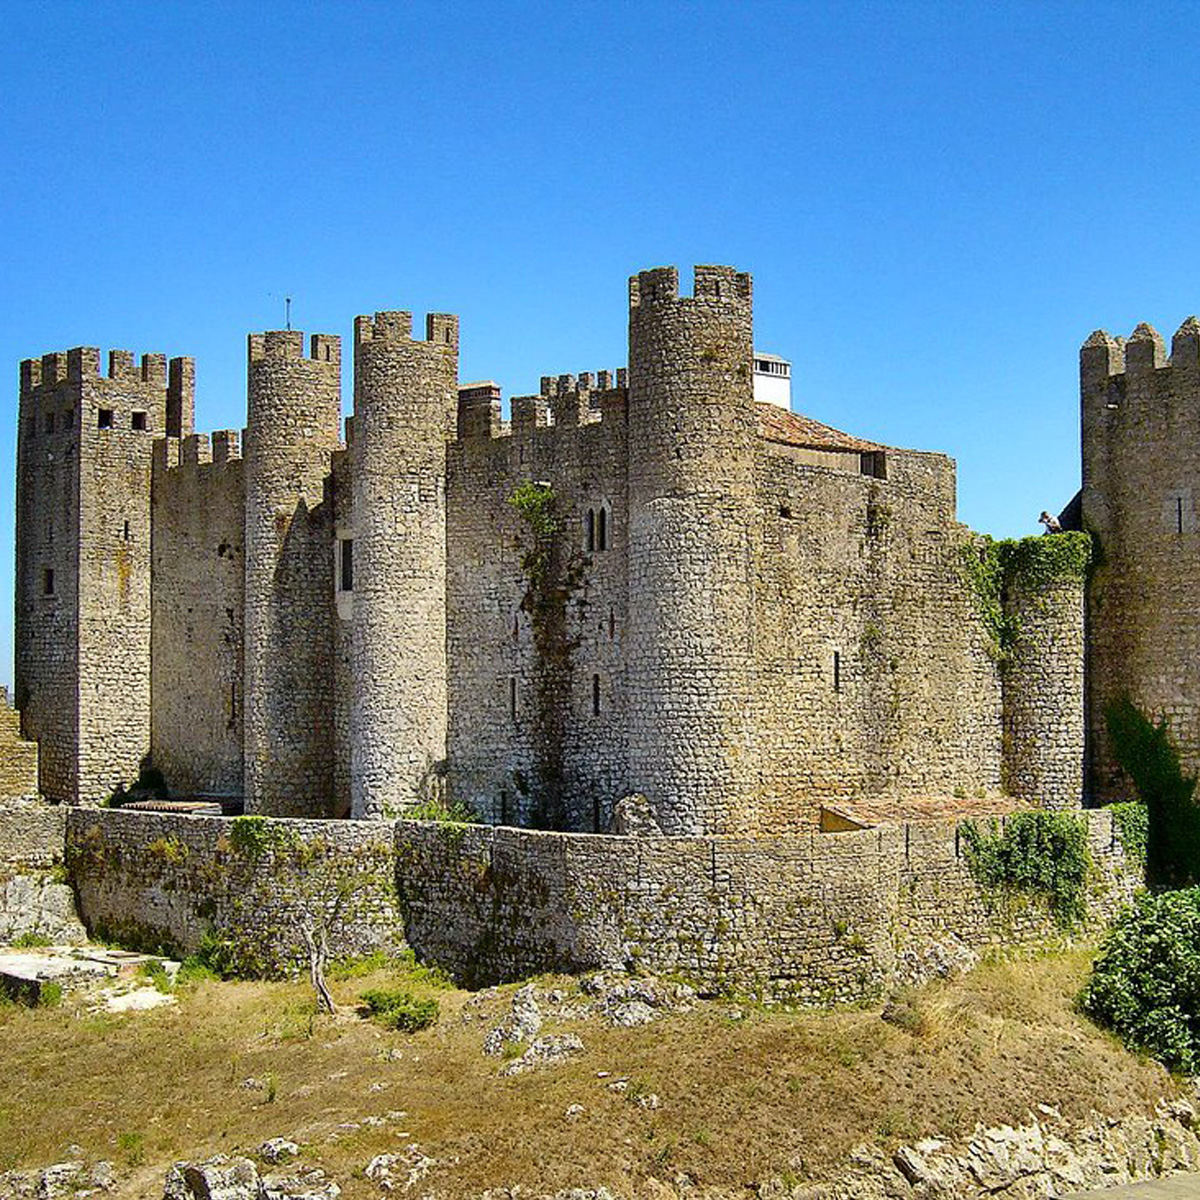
152,880
32,833
819,918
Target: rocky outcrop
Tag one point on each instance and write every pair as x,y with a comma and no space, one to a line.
35,905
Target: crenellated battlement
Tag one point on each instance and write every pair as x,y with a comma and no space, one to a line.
441,329
711,284
83,362
1103,356
283,344
218,449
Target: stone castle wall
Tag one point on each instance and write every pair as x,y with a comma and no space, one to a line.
198,603
873,667
816,917
154,880
83,607
32,835
1141,455
512,721
405,395
292,432
18,757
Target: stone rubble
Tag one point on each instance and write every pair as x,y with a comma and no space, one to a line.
228,1177
400,1171
545,1052
61,1181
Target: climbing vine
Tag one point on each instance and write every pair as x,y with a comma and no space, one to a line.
1145,752
990,567
1039,853
553,572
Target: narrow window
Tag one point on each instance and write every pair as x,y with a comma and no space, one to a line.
612,625
1178,514
589,530
516,627
346,575
104,418
138,421
595,695
602,529
512,697
837,670
48,582
49,422
127,531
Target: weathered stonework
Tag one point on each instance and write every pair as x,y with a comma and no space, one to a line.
729,608
1141,452
817,918
18,757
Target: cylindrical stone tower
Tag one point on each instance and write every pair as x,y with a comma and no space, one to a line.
1043,692
291,434
692,437
405,403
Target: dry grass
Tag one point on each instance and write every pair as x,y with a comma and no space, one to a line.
740,1100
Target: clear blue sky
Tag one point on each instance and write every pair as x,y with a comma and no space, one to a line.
938,201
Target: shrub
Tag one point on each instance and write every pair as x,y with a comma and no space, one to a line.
1145,983
1132,820
433,809
1042,853
1147,755
395,1008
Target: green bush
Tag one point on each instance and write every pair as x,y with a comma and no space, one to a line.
1147,755
395,1008
1132,821
1145,983
1041,853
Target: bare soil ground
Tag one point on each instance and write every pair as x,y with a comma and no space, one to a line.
742,1099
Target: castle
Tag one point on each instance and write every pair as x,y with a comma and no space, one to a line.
644,582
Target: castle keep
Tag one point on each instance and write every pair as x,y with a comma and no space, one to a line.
638,582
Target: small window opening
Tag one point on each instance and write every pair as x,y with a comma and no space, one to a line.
595,695
1178,514
127,531
602,529
512,697
837,670
48,582
138,421
49,422
612,625
785,512
516,634
346,573
447,335
589,530
104,418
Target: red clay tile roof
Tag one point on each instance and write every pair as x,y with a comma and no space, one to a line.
780,425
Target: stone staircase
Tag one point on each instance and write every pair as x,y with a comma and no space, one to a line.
18,758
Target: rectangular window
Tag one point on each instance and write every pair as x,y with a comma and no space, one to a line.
512,696
104,419
837,670
346,574
138,421
48,582
595,695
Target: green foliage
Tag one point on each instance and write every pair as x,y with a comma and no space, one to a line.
1132,821
536,504
434,977
251,837
50,994
169,850
1040,853
396,1008
132,1147
434,808
1145,983
215,957
28,941
1147,755
989,567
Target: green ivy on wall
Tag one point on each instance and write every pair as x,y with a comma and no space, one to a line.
1039,853
991,566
